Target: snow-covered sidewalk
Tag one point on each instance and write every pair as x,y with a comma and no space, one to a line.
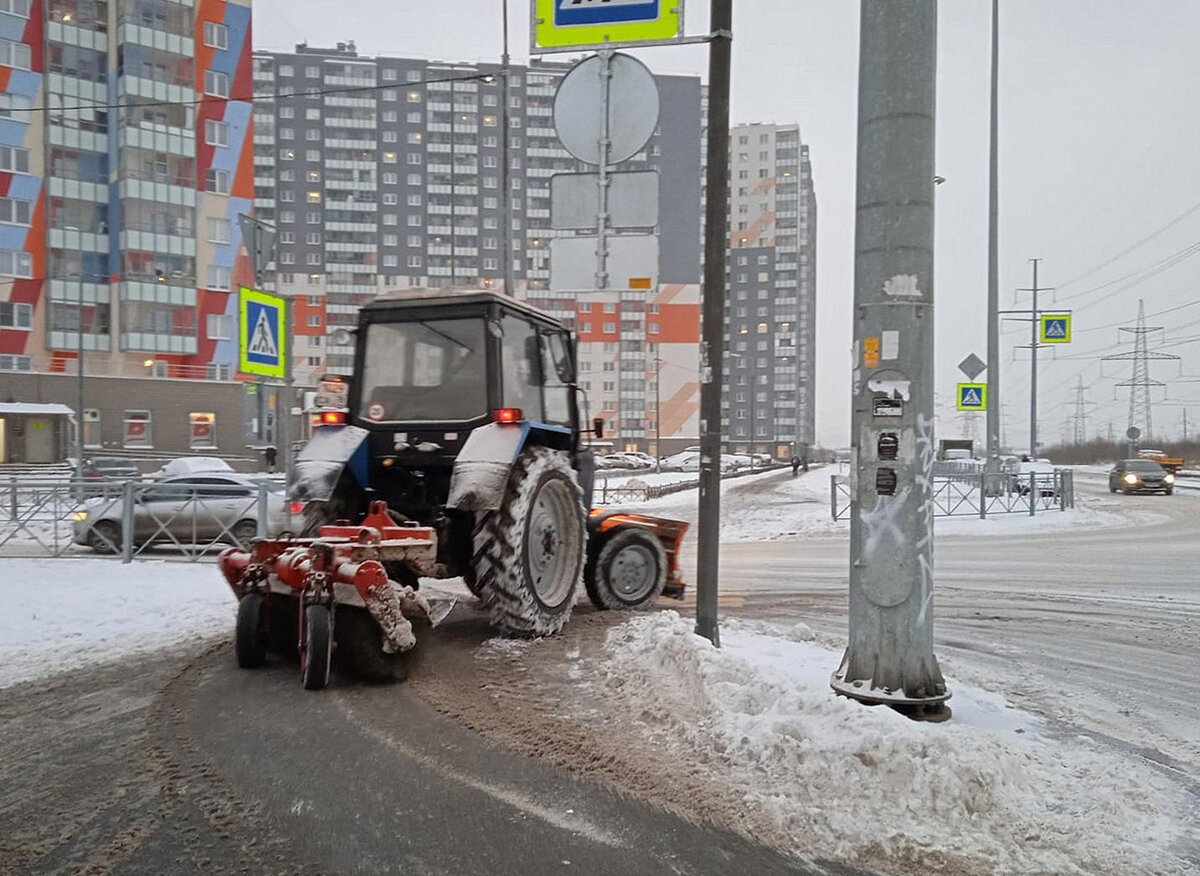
59,614
992,790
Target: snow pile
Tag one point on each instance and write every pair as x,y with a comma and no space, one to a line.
59,614
989,789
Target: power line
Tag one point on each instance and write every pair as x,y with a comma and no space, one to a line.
1149,237
1139,276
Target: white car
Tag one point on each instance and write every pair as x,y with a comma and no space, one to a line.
686,461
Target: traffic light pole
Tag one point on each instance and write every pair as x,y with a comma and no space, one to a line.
889,656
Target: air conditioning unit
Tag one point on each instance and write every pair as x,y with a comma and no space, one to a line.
91,415
159,368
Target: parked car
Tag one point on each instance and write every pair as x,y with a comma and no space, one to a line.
645,458
1140,476
686,461
187,465
195,509
617,461
105,474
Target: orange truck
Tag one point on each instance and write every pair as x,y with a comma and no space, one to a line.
1170,463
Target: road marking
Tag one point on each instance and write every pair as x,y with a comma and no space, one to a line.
556,818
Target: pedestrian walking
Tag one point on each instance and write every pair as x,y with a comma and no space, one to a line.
272,455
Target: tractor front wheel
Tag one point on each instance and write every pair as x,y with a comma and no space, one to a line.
628,573
529,552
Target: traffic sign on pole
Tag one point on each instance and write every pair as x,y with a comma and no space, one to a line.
558,24
262,333
971,397
972,366
1056,328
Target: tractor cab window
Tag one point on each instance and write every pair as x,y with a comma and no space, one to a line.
558,375
520,367
428,371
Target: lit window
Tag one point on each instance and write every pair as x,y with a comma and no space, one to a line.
314,197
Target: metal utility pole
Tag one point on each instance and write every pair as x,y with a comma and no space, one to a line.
712,347
658,363
993,298
510,280
889,658
1033,372
453,171
1140,383
79,390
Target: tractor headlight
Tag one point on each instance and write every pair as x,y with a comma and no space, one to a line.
1169,479
79,516
1130,478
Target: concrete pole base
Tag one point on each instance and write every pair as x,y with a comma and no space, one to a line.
921,708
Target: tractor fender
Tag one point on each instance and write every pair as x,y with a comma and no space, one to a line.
481,469
330,451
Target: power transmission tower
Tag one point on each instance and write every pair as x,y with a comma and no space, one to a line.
1140,382
1079,417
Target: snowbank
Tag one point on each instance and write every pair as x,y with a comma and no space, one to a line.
58,614
992,789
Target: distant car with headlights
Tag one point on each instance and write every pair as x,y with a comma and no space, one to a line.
1140,476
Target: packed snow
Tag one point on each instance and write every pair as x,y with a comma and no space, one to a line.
994,788
59,614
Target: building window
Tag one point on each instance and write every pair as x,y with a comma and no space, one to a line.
314,176
413,118
287,196
15,315
287,133
220,327
390,199
414,261
139,429
389,94
313,217
389,115
312,259
414,200
313,114
216,181
389,158
14,160
312,72
390,74
10,102
218,230
287,216
312,155
287,154
14,54
16,363
216,83
15,211
610,327
414,219
314,320
287,70
217,133
216,35
14,263
489,121
413,240
414,97
391,178
287,258
391,137
286,112
313,238
220,277
313,135
203,430
414,138
391,261
313,197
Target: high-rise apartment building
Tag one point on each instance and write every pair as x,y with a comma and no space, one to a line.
123,171
386,173
771,302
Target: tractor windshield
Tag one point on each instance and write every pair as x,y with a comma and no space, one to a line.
433,371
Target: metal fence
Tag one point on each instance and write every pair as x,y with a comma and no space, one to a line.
977,493
624,493
135,518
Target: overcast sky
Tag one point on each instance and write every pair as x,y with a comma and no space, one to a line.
1100,123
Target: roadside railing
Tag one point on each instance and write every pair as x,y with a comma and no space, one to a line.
135,518
623,493
963,493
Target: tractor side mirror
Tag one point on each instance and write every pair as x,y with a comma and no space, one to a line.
598,427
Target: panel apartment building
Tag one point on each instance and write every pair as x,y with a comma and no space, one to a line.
768,406
123,171
385,173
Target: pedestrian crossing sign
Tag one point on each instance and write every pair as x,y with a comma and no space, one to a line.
262,333
1056,328
971,397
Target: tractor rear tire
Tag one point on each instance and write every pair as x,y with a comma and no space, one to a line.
318,647
629,573
529,552
250,644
